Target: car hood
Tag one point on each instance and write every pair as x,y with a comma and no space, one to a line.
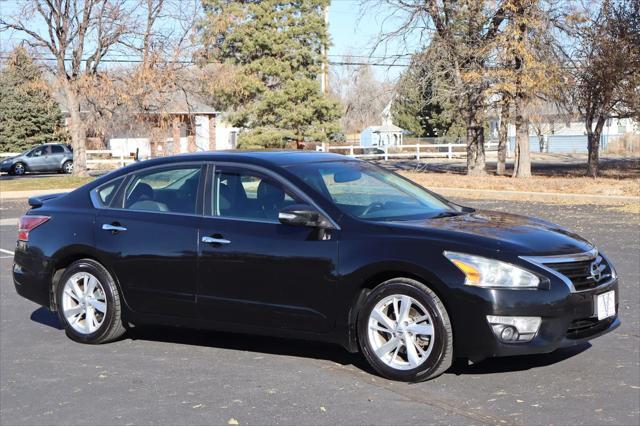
10,158
504,232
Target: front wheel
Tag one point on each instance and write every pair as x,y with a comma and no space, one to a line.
18,169
404,331
89,304
67,167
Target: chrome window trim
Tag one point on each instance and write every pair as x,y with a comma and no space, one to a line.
541,261
285,183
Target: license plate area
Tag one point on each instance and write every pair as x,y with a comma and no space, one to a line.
605,305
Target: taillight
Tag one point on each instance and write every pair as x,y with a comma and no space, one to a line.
28,224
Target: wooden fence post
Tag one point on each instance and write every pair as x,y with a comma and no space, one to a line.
418,152
450,152
386,153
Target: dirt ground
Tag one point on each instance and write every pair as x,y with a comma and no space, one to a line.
620,176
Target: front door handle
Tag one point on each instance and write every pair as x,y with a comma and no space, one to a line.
113,228
212,240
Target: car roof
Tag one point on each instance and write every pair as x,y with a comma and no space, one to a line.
277,158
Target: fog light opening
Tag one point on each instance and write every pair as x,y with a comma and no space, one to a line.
509,333
514,329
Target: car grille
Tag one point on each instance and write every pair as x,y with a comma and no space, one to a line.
583,328
579,272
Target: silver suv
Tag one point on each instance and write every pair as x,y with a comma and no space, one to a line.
42,158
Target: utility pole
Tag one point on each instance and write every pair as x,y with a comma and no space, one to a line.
324,82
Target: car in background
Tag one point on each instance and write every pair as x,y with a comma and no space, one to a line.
43,158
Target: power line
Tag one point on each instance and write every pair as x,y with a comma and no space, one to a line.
4,56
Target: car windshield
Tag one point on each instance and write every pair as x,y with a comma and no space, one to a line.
369,192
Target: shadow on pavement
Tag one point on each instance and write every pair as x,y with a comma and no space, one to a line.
313,350
45,317
517,363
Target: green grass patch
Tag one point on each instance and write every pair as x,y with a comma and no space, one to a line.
45,182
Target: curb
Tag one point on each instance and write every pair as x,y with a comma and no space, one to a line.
461,192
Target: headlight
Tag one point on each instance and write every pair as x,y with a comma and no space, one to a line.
483,272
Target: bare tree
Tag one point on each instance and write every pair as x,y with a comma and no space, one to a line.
82,35
78,34
361,95
461,35
603,67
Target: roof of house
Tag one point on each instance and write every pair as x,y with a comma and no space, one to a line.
387,128
175,102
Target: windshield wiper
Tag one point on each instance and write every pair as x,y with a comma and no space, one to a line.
446,214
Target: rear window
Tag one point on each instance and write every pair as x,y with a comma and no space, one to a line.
106,192
57,149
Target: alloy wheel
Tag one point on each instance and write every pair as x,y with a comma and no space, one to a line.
84,303
68,167
400,332
18,169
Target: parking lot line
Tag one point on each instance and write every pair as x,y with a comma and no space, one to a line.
6,251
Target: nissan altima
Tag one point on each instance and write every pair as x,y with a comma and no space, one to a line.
315,246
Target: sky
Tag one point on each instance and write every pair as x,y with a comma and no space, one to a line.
354,30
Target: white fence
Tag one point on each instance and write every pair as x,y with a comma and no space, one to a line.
430,150
118,161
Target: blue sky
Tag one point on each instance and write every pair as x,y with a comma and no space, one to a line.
354,30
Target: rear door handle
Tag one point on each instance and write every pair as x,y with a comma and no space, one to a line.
212,240
113,228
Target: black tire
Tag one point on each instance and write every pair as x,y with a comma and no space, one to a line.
112,326
441,356
67,167
18,169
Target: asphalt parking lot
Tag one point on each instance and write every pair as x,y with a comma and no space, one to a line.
171,376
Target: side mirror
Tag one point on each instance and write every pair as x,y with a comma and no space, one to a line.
303,215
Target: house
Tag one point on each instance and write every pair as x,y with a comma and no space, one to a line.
172,123
554,131
386,134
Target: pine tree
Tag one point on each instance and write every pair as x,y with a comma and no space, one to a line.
272,51
28,114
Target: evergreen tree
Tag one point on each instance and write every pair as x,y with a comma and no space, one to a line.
415,109
28,114
272,51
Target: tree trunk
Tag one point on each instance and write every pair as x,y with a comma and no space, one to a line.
78,132
503,140
475,150
593,140
522,159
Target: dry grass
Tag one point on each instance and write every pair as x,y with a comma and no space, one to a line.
576,185
45,182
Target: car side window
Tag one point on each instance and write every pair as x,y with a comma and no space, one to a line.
57,149
171,190
245,194
39,152
106,192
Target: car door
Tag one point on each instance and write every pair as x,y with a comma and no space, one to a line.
55,158
254,270
37,159
149,235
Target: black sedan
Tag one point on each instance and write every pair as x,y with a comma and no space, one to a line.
315,246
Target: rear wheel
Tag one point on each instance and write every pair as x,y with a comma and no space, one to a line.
18,169
89,304
67,167
404,331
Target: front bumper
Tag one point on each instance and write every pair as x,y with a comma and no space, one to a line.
568,318
5,167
